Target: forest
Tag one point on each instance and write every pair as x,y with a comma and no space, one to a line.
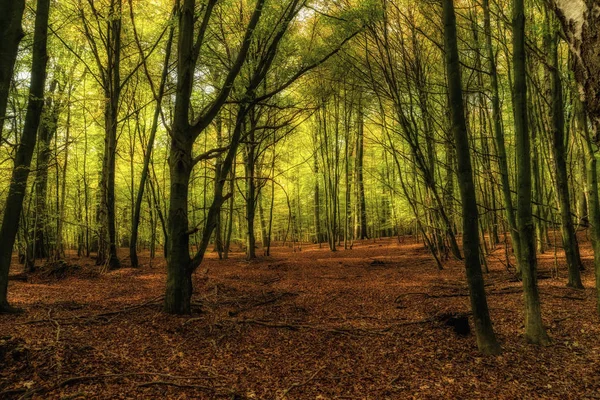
311,199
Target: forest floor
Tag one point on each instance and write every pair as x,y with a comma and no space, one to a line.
358,324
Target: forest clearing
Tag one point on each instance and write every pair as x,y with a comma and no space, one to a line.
312,199
366,323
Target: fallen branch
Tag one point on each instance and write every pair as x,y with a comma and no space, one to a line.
84,318
12,392
569,297
76,379
22,277
82,378
341,330
186,386
448,295
262,303
300,384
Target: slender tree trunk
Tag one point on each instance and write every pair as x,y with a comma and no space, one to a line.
317,195
499,135
148,154
263,223
59,250
39,243
272,205
486,339
534,329
250,189
560,165
107,251
227,244
360,176
18,183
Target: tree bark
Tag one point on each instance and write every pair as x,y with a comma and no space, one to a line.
180,266
580,20
499,135
39,242
534,329
11,33
570,244
593,199
107,245
158,96
486,339
18,183
362,204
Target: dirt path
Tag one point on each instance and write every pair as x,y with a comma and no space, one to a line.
358,324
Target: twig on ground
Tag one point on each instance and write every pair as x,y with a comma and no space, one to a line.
86,318
262,303
299,384
179,385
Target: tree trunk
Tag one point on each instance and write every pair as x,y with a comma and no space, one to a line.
499,135
39,243
580,20
534,329
11,33
107,251
20,173
593,199
179,275
560,165
362,234
158,96
316,195
59,250
486,339
250,188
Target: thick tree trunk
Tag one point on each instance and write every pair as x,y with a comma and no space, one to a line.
11,33
179,273
580,20
486,339
20,173
534,329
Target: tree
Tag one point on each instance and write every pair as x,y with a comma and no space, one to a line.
18,183
158,94
499,133
107,55
11,33
534,329
559,153
181,162
580,21
486,339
